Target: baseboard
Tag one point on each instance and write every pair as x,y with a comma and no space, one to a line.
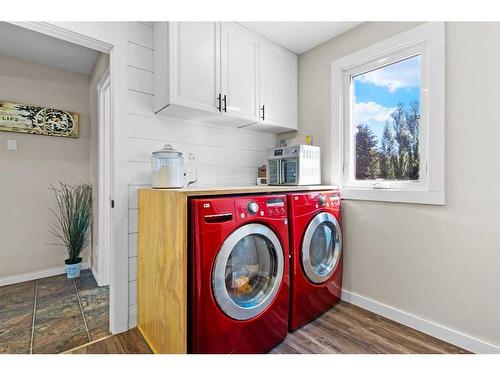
132,316
439,331
14,279
96,275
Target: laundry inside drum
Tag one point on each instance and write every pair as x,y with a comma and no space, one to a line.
250,270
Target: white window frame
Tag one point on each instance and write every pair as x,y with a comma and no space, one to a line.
428,41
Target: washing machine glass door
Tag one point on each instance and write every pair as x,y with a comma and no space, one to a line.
321,247
248,271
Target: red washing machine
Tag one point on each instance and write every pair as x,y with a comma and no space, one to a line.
239,264
316,248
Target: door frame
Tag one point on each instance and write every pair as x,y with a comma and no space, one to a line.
110,38
104,238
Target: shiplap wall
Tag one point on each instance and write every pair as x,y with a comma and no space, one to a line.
224,156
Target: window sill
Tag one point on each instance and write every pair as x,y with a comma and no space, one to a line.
392,195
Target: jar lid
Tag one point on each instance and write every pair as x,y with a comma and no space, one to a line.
167,150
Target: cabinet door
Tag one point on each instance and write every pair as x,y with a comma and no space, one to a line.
240,71
194,59
278,86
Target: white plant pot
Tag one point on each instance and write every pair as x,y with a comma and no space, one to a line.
73,270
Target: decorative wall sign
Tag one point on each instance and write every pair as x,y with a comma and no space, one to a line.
22,118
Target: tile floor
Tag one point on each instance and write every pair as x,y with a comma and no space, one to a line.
52,315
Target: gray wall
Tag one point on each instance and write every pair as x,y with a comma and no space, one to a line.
26,174
440,263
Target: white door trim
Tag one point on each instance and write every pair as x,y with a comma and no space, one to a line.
112,39
104,238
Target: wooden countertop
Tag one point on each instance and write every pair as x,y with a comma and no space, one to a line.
230,190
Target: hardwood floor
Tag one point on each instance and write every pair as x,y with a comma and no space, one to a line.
130,342
344,329
352,330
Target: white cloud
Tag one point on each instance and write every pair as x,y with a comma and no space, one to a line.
405,73
368,112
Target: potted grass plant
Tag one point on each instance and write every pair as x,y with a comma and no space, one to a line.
74,222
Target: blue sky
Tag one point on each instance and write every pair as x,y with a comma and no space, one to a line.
377,93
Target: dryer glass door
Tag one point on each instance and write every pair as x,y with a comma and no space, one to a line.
321,247
248,271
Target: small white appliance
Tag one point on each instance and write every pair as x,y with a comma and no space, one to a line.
294,165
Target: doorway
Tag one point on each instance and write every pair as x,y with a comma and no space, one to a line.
41,310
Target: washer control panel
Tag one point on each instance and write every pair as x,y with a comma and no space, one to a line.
253,207
276,206
272,206
322,200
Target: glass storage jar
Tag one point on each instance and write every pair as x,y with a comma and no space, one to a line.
167,168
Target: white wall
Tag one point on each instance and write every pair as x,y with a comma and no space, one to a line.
26,246
224,156
438,263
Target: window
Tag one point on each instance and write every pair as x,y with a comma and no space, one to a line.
388,119
386,106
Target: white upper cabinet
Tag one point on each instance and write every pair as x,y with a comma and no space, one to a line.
194,77
278,87
239,72
186,65
220,72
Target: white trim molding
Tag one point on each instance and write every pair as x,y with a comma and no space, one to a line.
105,171
428,327
428,42
48,28
395,195
95,273
14,279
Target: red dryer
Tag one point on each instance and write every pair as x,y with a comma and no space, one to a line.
316,249
239,267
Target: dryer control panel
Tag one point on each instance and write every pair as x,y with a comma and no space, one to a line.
304,203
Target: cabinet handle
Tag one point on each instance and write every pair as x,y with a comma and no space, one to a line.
263,113
219,102
225,103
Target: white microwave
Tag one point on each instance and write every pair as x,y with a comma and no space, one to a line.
294,165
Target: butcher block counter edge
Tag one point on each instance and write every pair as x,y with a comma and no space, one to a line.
162,242
230,190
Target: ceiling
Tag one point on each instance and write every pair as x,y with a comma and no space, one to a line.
299,37
24,44
29,45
